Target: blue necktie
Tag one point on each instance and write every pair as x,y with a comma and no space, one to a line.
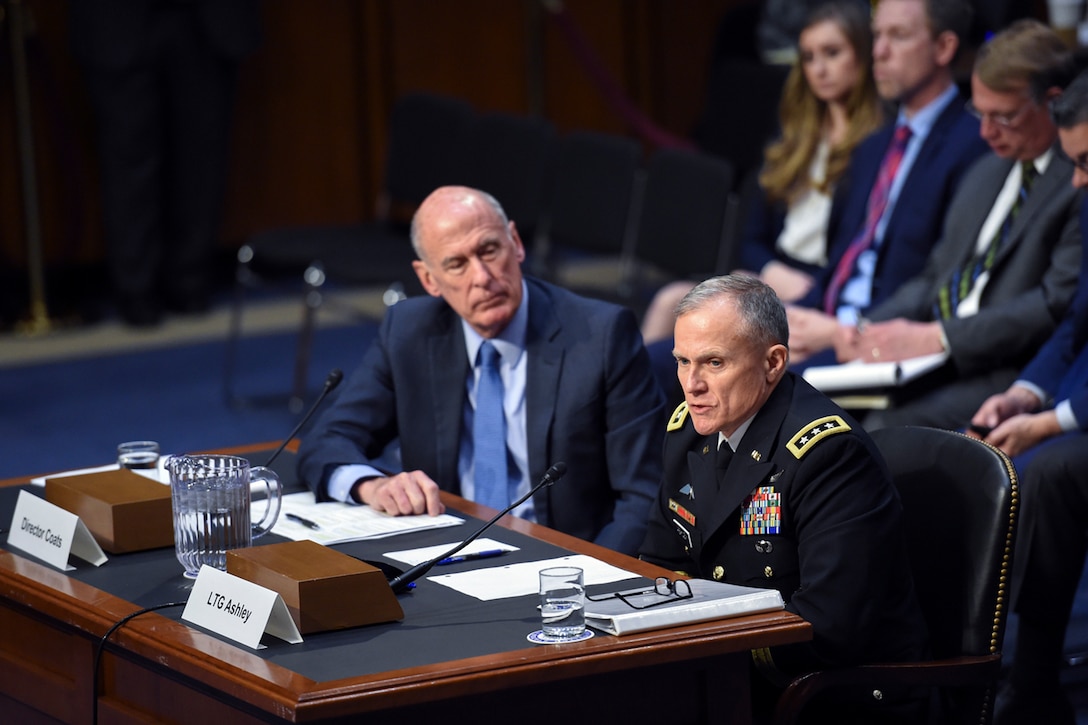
489,433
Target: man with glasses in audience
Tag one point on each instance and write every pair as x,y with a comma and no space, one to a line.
770,484
1005,269
1041,421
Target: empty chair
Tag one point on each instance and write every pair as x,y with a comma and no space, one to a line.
510,156
960,501
589,208
425,131
684,218
740,111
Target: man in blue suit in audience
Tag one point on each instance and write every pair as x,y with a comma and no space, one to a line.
561,377
1041,420
901,179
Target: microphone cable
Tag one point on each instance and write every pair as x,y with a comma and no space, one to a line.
100,647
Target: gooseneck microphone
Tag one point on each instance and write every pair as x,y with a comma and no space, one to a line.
333,379
400,583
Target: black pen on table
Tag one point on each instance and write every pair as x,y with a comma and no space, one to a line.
489,553
305,522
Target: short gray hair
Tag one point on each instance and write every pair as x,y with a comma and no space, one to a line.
414,232
762,313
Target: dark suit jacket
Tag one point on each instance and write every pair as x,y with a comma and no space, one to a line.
1060,367
1032,282
590,401
951,147
839,559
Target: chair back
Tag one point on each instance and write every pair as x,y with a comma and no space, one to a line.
959,498
740,111
510,156
425,130
591,193
683,216
960,501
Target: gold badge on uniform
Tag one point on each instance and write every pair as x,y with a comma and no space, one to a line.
682,512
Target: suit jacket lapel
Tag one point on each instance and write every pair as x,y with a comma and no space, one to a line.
932,146
1042,193
449,368
983,203
545,350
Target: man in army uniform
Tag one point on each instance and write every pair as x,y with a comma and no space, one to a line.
770,484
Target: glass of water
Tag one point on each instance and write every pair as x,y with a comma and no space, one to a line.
562,602
138,454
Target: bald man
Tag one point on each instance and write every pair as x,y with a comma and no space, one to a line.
575,381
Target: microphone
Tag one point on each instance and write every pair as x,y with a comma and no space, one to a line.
400,583
333,379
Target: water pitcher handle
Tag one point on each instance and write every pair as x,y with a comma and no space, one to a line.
275,498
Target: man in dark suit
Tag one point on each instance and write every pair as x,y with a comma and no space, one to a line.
770,484
575,378
901,179
1041,420
1005,270
161,77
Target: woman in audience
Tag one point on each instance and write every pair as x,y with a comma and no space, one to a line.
829,104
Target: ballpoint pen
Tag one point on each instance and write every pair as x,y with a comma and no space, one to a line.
305,522
471,557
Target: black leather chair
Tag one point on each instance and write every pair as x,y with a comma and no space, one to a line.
960,502
426,132
510,157
685,213
589,209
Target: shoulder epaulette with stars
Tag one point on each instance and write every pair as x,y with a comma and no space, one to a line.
676,420
815,432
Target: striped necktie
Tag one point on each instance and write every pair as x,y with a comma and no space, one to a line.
878,203
963,279
489,433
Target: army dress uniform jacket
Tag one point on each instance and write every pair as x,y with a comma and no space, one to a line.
806,506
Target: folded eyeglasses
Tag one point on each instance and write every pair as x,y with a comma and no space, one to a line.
669,590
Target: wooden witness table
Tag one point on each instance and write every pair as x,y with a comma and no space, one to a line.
158,669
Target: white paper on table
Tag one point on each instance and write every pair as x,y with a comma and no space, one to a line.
159,473
411,557
516,580
341,522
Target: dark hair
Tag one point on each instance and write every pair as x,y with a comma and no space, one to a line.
1071,107
951,15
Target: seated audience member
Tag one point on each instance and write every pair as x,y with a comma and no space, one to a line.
1041,420
1005,270
487,383
770,484
901,179
828,105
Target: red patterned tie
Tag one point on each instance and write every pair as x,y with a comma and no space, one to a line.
878,202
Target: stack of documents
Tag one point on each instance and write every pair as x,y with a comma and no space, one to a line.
332,522
709,600
866,385
858,375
